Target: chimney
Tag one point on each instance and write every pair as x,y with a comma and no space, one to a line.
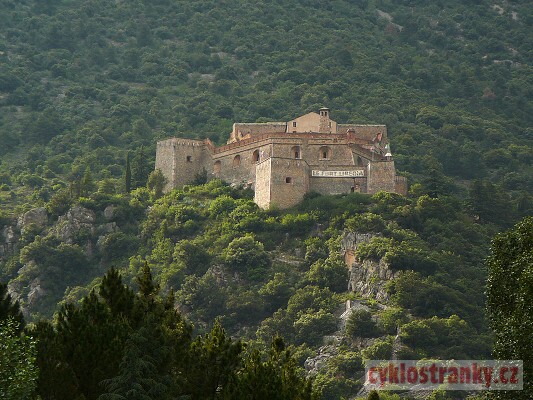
325,123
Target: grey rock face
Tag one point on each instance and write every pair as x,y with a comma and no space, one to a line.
8,240
109,212
368,277
37,216
78,218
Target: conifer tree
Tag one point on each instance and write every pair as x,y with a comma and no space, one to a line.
139,169
10,308
140,377
18,373
117,296
127,177
214,359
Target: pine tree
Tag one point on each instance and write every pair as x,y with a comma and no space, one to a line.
10,308
509,305
147,287
87,183
117,296
18,373
214,360
127,177
277,378
139,169
139,377
92,342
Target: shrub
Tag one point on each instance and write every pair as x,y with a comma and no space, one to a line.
360,324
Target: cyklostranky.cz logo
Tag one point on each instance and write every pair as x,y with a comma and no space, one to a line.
447,374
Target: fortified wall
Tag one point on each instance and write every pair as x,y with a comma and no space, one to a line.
282,161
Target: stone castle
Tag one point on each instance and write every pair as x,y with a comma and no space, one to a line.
282,161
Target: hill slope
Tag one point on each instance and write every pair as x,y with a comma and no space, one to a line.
82,82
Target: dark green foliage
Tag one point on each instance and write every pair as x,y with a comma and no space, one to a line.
18,372
277,378
360,324
118,245
373,395
330,273
127,174
450,338
140,168
10,309
156,183
489,203
509,294
248,257
118,297
214,359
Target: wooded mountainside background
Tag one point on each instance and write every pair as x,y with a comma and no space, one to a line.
85,83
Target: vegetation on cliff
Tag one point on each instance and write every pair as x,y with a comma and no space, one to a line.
86,89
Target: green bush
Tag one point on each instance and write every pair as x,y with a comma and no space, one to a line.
361,324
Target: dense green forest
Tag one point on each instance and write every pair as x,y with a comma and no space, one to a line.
89,241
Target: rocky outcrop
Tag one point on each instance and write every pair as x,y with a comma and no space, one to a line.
8,241
367,277
109,212
314,364
37,217
76,220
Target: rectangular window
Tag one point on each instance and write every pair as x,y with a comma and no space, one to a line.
294,124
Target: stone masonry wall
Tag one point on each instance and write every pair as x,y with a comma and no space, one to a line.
262,183
289,182
381,176
241,131
181,159
240,170
294,156
367,132
164,160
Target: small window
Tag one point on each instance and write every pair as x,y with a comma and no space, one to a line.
288,179
255,156
324,153
294,124
189,158
295,152
217,167
237,161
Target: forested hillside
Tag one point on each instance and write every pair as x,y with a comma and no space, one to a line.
81,82
88,87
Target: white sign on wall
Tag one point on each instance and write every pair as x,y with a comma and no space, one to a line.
338,174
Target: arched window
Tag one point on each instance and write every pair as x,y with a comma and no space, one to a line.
217,167
324,153
255,156
237,160
296,152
